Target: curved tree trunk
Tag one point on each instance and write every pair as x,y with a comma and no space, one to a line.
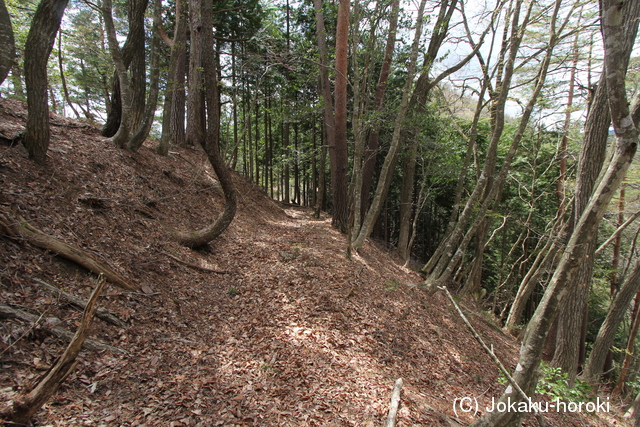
615,315
212,144
7,43
42,35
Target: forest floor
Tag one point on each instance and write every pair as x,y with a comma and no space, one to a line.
270,324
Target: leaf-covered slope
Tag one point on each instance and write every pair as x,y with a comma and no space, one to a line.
268,325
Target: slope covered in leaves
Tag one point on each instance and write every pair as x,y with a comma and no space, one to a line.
268,325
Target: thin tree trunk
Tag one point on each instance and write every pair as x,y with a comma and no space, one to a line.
63,79
630,351
386,173
329,123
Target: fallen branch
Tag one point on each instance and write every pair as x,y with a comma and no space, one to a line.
25,406
101,312
395,402
7,312
190,265
20,228
497,361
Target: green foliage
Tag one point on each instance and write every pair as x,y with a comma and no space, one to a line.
391,285
554,383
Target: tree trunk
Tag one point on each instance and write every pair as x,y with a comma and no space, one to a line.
373,140
133,48
122,135
570,343
417,107
212,144
144,127
42,35
7,43
626,139
615,315
386,173
338,152
630,351
195,99
63,79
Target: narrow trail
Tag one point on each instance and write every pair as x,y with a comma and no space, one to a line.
285,332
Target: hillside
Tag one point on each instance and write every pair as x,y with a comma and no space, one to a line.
268,325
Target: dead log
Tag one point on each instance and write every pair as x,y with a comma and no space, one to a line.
25,406
394,404
7,312
20,228
101,312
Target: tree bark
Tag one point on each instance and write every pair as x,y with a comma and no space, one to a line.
630,351
133,56
570,341
338,154
615,315
417,107
42,35
373,139
121,137
138,138
386,173
212,143
7,43
195,100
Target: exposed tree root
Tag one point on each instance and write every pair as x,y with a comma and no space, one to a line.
20,229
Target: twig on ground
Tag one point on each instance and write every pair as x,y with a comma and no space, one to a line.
25,406
394,404
7,312
194,266
101,312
